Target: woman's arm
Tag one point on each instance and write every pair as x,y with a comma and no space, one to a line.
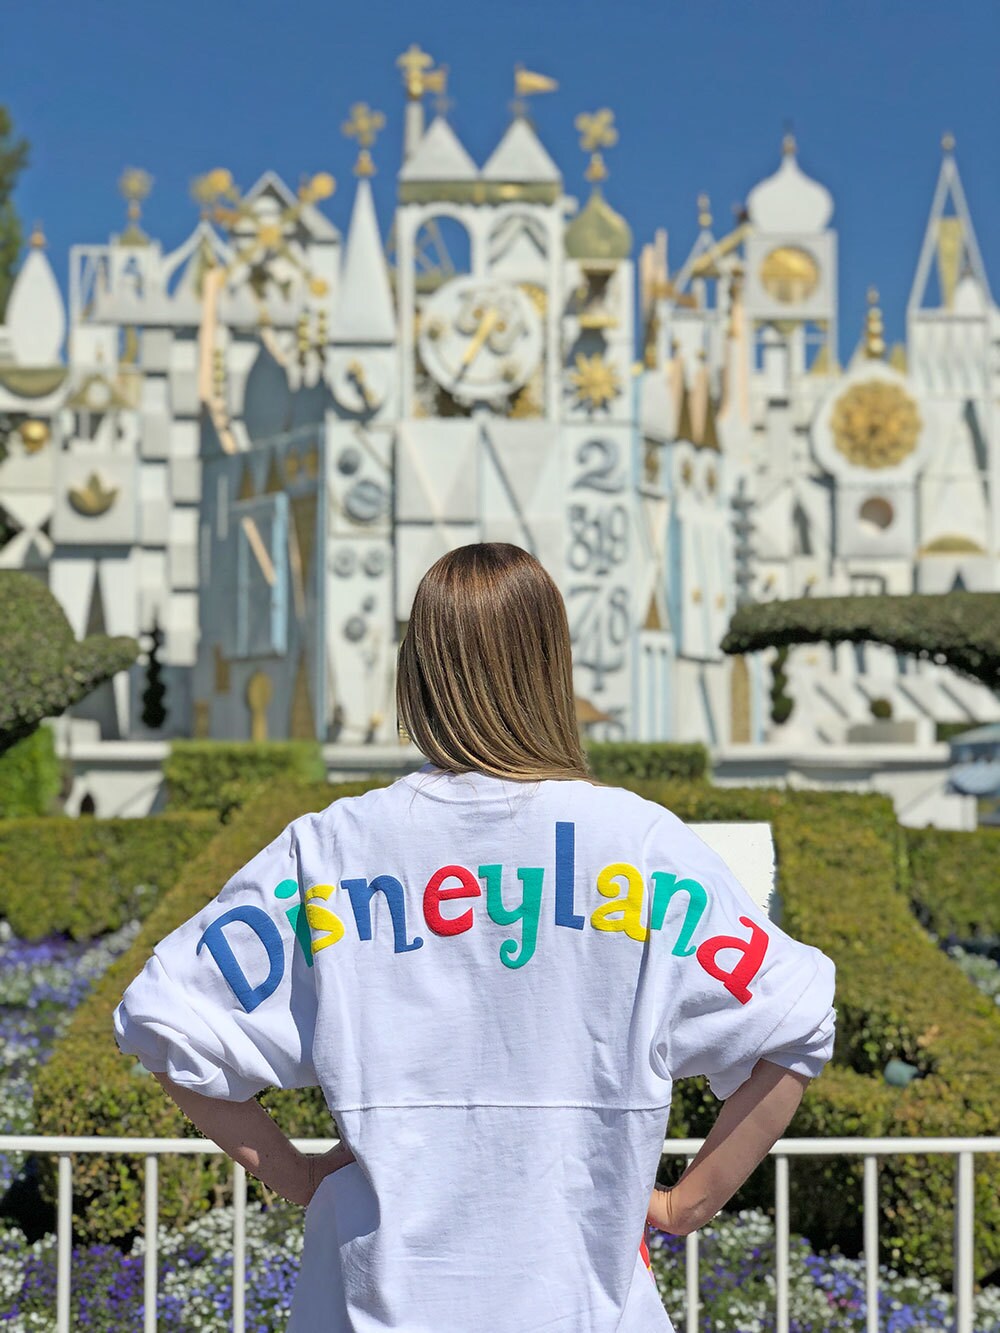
246,1132
750,1123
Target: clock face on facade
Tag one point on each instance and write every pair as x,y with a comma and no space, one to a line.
789,274
875,424
481,340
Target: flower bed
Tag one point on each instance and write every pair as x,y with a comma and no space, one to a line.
41,983
195,1266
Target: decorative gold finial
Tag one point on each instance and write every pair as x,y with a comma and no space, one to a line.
948,142
37,238
364,125
527,83
874,328
415,63
134,185
788,145
704,211
596,130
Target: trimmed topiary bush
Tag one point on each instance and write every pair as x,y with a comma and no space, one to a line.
43,669
960,629
30,776
220,775
623,762
953,881
83,877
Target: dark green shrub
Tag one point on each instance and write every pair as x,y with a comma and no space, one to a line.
30,776
782,703
154,712
221,775
43,670
621,763
953,881
961,629
83,877
881,709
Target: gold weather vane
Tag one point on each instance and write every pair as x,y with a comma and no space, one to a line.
597,131
528,83
416,65
704,211
135,186
365,125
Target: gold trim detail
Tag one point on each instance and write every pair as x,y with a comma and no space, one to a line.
595,382
93,498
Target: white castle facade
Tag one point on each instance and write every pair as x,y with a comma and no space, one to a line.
257,442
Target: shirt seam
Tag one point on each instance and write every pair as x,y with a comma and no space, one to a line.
505,1106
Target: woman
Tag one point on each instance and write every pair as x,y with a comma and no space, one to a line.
507,965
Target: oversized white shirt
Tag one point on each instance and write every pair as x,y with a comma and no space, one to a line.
495,984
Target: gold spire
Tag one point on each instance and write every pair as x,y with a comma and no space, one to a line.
364,125
788,145
415,65
135,185
704,211
597,131
874,328
37,238
947,142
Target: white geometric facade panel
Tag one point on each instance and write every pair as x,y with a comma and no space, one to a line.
417,547
95,501
437,472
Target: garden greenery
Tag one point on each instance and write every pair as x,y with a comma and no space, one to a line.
83,877
43,669
30,776
221,775
961,630
839,859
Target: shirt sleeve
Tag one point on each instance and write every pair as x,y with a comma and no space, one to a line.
736,989
226,1005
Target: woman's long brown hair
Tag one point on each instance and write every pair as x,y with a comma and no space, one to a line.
485,680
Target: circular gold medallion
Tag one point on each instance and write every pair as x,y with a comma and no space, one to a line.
875,424
789,274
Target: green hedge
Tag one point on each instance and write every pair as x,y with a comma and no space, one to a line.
839,859
83,877
839,863
89,1087
43,670
961,629
220,775
953,881
30,776
626,762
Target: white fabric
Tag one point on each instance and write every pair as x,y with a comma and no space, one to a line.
506,1103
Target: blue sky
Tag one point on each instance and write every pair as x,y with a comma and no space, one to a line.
702,92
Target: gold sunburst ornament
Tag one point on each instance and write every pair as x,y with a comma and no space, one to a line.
875,424
595,381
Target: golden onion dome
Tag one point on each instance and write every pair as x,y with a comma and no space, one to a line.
598,232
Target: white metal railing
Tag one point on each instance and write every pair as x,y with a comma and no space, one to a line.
963,1150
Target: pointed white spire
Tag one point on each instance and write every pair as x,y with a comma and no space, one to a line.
439,156
364,311
36,315
520,157
951,239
